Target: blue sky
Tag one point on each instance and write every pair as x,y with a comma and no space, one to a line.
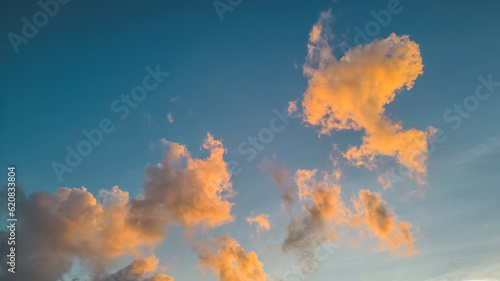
226,77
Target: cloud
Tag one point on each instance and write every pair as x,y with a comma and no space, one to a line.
387,178
72,224
170,118
382,223
282,178
261,220
351,93
194,194
142,266
292,107
478,151
324,194
138,271
230,262
323,209
159,277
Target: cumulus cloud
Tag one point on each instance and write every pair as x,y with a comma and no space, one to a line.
56,229
351,93
261,220
323,209
196,193
382,223
230,262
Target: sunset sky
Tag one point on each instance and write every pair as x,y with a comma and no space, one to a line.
252,140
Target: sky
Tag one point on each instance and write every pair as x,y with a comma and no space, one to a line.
251,140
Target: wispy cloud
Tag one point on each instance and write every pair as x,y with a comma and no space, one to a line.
282,178
261,220
170,118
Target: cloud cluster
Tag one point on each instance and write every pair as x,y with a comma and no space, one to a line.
351,93
347,94
56,229
323,210
230,262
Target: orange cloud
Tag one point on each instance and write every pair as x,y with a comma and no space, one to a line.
72,224
262,221
143,266
381,221
323,209
326,201
351,93
230,262
159,277
191,195
139,270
